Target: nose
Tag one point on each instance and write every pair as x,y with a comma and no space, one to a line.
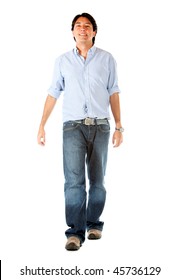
83,27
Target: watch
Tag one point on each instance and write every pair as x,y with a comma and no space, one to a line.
121,129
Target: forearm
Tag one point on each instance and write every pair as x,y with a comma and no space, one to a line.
48,107
117,138
115,108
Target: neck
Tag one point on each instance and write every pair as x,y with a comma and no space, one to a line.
83,49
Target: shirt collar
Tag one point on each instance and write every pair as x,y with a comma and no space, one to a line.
91,51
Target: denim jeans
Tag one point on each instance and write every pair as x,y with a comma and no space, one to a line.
85,148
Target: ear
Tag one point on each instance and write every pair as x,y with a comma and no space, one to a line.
73,35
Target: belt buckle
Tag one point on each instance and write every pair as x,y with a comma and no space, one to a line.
89,121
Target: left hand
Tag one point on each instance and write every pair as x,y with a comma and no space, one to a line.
117,139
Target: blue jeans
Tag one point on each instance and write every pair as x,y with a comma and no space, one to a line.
84,146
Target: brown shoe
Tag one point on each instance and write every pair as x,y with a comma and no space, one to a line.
73,243
94,234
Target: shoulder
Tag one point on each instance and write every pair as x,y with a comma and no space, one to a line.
64,56
104,52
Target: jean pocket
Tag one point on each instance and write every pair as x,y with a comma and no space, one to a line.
70,125
104,127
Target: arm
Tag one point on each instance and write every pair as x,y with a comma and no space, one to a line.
115,108
48,107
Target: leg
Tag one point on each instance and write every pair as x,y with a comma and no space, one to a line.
96,162
74,150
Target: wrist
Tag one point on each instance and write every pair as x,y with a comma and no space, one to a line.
118,124
120,129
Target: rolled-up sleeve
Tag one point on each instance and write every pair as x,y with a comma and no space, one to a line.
113,77
57,85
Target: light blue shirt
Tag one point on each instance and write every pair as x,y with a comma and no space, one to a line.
87,83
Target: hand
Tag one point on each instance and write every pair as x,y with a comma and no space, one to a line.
41,137
117,139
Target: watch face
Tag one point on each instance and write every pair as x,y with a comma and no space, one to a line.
121,129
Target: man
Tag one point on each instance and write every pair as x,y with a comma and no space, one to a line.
87,76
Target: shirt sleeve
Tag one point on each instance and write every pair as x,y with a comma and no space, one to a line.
113,77
57,85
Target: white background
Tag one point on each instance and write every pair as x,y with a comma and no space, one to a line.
141,214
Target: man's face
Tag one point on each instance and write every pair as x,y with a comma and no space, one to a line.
83,30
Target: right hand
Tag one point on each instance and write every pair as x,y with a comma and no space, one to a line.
41,136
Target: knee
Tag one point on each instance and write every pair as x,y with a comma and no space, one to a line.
98,193
75,196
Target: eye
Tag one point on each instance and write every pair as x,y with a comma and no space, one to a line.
77,25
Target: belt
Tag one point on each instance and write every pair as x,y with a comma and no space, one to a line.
91,121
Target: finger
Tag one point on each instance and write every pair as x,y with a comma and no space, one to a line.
116,144
42,141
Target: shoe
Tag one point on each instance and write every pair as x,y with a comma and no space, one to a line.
73,243
94,234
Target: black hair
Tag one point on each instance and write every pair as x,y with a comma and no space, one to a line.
90,18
